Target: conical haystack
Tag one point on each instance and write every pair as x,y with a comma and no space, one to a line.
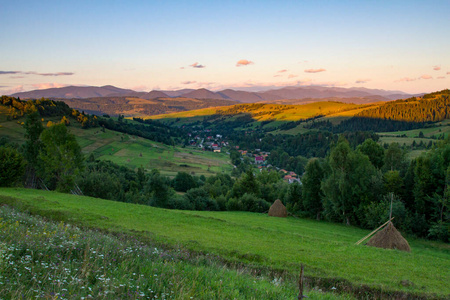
389,238
278,209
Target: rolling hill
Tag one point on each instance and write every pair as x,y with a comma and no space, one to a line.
317,92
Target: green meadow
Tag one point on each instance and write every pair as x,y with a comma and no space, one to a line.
259,242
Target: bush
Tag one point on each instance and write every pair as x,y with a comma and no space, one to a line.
200,199
254,204
12,166
233,204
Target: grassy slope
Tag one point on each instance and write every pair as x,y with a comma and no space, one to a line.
327,250
132,151
270,111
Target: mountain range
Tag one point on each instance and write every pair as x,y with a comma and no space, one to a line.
286,93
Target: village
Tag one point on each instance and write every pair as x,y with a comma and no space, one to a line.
207,141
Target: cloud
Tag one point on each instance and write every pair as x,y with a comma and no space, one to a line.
49,85
426,76
182,68
407,79
436,68
441,77
197,65
244,62
189,82
16,77
282,71
315,70
292,76
448,73
16,89
362,80
278,75
9,72
36,73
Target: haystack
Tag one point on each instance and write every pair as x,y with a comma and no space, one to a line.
389,238
278,209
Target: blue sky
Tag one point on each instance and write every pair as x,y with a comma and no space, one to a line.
145,45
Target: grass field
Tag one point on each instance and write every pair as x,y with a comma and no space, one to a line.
50,260
133,151
260,112
261,242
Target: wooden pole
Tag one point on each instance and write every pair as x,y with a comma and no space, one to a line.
392,199
300,284
367,236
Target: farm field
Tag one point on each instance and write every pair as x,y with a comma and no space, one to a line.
261,242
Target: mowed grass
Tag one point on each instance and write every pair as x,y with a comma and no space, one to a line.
327,250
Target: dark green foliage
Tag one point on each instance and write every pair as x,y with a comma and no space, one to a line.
349,186
294,197
394,158
61,158
158,186
374,151
250,202
183,182
12,166
200,199
312,192
33,129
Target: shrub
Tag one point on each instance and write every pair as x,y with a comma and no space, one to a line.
12,166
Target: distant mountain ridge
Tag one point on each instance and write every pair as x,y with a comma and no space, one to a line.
286,93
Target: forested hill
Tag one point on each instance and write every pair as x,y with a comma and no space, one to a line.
411,113
429,108
56,110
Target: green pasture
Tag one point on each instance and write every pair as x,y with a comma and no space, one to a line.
134,152
327,250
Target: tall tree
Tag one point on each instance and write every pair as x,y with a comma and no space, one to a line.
374,151
61,157
312,192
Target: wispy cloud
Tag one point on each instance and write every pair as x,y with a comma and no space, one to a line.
426,76
243,62
292,76
362,80
277,75
16,89
188,82
315,70
436,68
282,71
407,79
49,85
9,72
197,65
37,73
448,73
441,77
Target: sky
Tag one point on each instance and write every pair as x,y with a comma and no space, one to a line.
252,45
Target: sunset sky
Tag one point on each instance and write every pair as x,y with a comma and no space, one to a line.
145,45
